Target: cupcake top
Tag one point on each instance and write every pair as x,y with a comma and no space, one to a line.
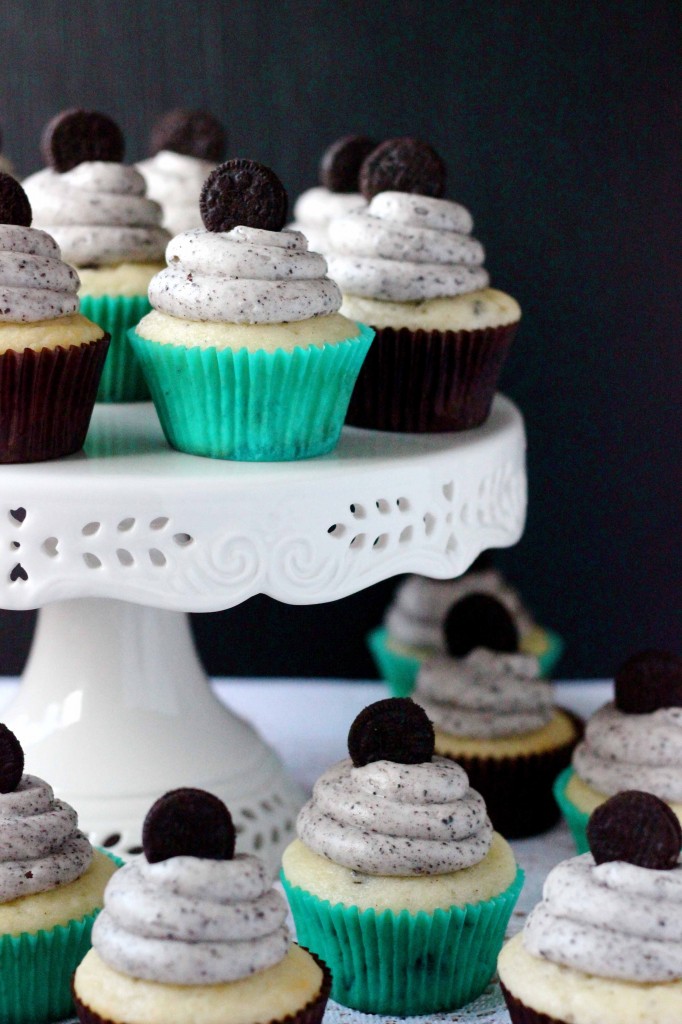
186,146
93,204
188,911
616,912
409,244
243,268
393,808
35,284
637,739
337,193
41,847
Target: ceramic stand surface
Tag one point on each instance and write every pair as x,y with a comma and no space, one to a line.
116,543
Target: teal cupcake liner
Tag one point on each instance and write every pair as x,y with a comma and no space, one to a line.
122,379
36,969
402,963
399,670
575,818
252,406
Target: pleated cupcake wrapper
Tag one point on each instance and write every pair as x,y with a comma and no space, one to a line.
429,381
518,789
252,406
575,818
122,379
519,1013
402,963
399,670
311,1013
46,399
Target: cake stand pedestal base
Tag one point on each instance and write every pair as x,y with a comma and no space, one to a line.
115,709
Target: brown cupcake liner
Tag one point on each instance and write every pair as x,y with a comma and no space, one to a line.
46,399
311,1013
522,1014
429,381
518,789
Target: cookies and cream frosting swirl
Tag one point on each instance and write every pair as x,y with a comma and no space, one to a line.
40,844
99,213
35,283
191,920
174,180
386,818
406,248
317,207
615,920
246,275
625,751
484,695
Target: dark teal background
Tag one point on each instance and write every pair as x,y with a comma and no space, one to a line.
561,127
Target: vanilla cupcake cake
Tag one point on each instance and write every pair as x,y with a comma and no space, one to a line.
192,933
96,208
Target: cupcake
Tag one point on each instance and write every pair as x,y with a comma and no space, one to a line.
51,357
605,943
337,192
186,145
635,741
193,934
397,880
51,888
96,208
245,353
413,624
408,266
496,717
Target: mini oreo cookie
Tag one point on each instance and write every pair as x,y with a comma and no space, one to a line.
188,823
341,162
14,205
479,620
635,827
395,729
75,136
403,165
648,681
189,132
243,192
11,760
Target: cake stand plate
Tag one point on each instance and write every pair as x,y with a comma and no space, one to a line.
115,545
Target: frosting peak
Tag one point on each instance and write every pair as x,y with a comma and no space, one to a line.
174,180
35,284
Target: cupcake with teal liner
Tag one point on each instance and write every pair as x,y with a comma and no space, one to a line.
108,229
412,630
397,880
495,716
192,933
51,890
337,192
408,265
634,741
245,353
605,942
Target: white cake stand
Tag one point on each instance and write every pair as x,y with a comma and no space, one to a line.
115,545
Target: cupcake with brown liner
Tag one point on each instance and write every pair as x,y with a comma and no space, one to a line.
496,717
605,943
51,356
633,741
412,630
192,933
186,145
245,353
397,879
337,193
51,888
408,266
96,208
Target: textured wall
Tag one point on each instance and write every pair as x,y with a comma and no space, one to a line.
560,125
